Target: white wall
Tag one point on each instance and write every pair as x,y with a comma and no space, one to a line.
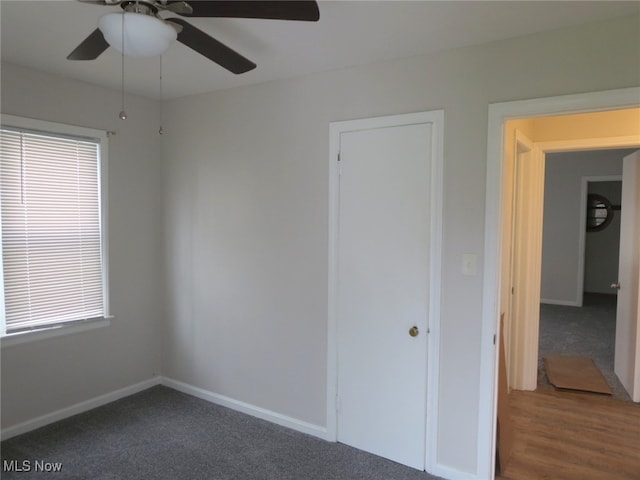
562,215
602,248
246,204
41,377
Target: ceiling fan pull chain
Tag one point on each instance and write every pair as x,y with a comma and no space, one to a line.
160,130
123,114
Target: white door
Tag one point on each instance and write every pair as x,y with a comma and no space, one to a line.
383,291
627,350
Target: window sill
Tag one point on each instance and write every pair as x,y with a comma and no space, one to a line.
12,339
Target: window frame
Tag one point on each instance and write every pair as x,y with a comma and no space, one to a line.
58,329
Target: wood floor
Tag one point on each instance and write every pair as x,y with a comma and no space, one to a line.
573,436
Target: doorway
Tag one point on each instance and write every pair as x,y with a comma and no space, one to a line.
385,229
580,258
561,279
498,115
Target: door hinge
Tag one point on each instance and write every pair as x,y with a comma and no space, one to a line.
338,404
494,338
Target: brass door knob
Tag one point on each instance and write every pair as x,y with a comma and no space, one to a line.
413,331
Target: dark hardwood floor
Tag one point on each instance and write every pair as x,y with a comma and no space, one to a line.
573,436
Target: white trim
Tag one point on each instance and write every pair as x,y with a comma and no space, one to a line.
332,292
453,474
52,127
101,136
247,408
526,204
523,140
522,144
435,286
436,119
487,401
53,331
587,144
77,408
104,220
3,314
498,114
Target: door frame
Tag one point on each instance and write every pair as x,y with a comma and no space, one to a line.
436,120
582,241
528,356
527,183
498,114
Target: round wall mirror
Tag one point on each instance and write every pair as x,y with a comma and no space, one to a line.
599,212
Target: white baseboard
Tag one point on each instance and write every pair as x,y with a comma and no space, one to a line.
246,408
452,473
567,303
76,408
254,411
277,418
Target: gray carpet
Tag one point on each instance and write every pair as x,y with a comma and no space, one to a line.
587,331
164,434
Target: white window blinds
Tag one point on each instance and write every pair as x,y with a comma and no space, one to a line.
51,229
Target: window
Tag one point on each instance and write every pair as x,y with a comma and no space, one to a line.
53,225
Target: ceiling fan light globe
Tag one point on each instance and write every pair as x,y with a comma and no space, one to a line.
144,35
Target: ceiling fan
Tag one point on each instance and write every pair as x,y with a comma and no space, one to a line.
140,31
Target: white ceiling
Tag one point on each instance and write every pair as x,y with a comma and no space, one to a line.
40,34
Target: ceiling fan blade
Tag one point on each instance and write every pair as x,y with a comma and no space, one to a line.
211,48
101,2
181,8
90,48
305,10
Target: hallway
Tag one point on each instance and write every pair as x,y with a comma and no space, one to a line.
587,331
